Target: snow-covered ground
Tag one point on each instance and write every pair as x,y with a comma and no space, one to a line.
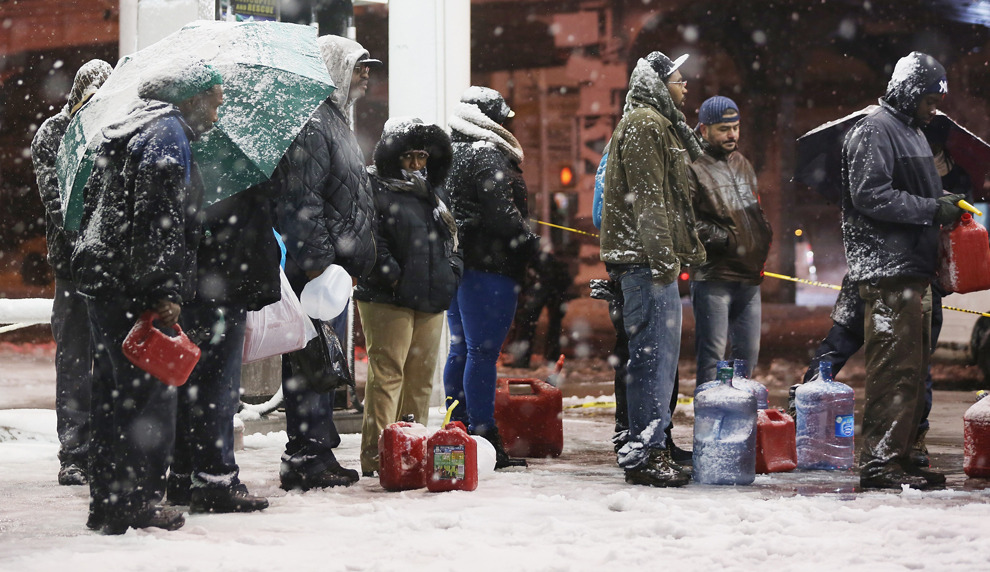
570,513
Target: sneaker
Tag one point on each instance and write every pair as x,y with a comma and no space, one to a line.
894,477
234,499
919,452
659,471
157,517
334,476
72,475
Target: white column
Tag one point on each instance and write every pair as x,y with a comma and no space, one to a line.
144,22
429,57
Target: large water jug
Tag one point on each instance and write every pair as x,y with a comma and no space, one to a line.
712,382
741,380
976,439
964,257
725,434
825,424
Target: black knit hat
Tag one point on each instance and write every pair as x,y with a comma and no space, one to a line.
489,101
663,65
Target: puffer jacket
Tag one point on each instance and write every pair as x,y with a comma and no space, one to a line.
890,184
489,196
324,210
419,262
647,218
730,222
140,227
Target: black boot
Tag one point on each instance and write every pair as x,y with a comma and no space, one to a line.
502,459
233,499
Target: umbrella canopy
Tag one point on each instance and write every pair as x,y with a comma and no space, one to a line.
819,154
273,80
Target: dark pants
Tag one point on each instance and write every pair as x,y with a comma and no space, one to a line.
842,342
309,424
132,419
73,373
898,351
528,315
204,437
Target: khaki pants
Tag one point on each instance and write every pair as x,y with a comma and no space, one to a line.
898,351
402,349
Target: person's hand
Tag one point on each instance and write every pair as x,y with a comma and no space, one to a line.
168,312
947,212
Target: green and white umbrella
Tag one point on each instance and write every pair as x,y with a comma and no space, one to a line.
273,80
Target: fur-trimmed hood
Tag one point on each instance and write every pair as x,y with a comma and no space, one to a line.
407,134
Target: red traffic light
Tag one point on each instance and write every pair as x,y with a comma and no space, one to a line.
566,176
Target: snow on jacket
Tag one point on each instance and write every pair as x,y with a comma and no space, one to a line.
417,243
730,222
890,184
44,152
140,226
238,257
647,218
488,195
324,210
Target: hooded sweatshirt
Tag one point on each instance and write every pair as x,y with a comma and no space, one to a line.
647,217
44,153
341,55
890,183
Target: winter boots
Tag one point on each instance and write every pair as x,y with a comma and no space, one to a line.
895,475
502,459
72,474
155,517
233,499
658,471
919,453
333,476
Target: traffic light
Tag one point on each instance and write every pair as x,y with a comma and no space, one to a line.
566,176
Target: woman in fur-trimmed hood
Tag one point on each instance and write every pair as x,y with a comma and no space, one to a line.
415,277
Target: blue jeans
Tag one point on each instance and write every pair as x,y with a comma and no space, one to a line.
204,437
725,313
651,316
73,373
479,318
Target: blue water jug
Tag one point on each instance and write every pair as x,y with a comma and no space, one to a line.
825,424
711,382
725,434
741,380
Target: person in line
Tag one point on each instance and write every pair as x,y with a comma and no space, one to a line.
725,289
325,215
73,352
136,251
237,271
489,199
402,301
648,235
892,206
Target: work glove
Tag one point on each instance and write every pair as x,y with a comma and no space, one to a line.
946,211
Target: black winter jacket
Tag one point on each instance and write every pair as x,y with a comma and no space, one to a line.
489,199
415,246
238,258
140,227
324,210
44,152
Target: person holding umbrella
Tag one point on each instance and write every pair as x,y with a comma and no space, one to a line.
325,215
136,251
892,206
419,266
648,235
73,354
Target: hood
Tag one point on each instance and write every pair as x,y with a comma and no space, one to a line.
647,88
468,120
406,134
913,74
140,115
89,78
340,56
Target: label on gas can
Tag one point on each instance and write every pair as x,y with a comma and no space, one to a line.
844,426
448,462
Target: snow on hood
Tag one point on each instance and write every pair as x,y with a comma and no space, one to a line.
89,78
341,55
647,87
912,74
468,119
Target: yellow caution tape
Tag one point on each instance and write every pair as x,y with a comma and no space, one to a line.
591,404
564,227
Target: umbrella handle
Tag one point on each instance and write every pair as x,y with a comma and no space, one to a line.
968,207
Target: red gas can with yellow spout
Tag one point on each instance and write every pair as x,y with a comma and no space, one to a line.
452,460
964,257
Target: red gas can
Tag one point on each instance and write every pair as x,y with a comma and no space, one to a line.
776,450
402,456
451,460
528,414
976,439
964,257
169,358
